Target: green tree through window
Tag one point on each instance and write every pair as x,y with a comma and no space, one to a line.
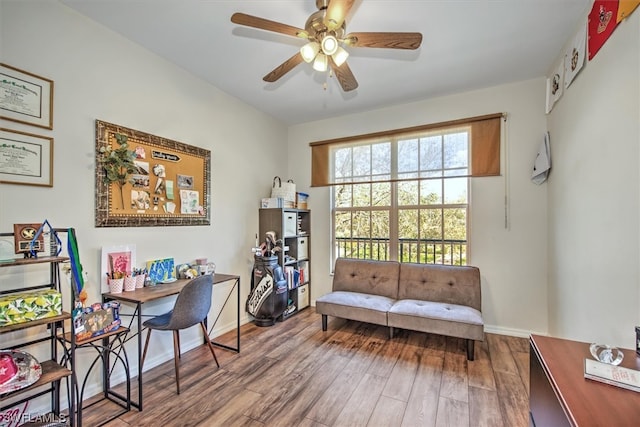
403,198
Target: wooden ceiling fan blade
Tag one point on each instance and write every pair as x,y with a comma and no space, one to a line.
336,13
283,68
384,40
344,75
265,24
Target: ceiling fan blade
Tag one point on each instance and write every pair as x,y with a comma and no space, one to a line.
337,11
265,24
344,75
384,40
283,68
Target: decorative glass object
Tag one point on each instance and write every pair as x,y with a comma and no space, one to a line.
606,354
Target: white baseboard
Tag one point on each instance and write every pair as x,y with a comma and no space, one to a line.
520,333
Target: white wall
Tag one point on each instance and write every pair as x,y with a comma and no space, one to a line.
100,75
593,197
512,258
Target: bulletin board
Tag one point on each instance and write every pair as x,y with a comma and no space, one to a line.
170,184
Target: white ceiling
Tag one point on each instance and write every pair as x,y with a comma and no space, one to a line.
467,44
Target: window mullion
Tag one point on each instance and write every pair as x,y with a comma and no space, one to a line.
393,210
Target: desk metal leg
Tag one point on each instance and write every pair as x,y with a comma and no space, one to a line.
137,313
236,285
139,310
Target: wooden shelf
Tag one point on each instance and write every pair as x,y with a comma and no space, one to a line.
51,371
67,337
33,323
31,261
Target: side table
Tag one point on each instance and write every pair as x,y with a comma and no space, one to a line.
106,345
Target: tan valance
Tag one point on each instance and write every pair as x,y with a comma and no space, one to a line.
484,145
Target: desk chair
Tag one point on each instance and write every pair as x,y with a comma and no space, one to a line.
191,307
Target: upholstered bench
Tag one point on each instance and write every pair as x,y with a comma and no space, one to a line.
439,299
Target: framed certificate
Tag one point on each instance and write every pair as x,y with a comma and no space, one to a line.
26,158
25,97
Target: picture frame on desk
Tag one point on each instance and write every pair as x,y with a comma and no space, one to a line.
26,97
108,255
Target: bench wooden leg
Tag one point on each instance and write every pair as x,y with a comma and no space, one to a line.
470,348
390,332
324,322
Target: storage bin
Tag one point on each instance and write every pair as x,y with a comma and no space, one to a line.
26,306
290,224
302,248
303,297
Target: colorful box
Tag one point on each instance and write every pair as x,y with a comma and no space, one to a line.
97,319
301,200
27,306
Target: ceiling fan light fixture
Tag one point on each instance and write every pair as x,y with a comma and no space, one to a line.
320,63
329,45
309,51
340,56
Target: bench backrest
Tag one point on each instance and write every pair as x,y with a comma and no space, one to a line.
366,276
441,283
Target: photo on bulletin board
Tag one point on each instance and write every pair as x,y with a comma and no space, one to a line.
146,180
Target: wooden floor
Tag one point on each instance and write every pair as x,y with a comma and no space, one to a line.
293,374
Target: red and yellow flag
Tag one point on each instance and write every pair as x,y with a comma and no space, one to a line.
625,8
602,22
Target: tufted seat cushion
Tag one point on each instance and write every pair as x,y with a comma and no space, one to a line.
436,317
356,306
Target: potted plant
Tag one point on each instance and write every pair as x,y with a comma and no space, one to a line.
118,163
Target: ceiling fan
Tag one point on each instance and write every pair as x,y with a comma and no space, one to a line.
325,32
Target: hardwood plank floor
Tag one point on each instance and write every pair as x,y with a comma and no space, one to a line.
293,374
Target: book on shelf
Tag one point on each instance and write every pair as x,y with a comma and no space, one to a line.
293,276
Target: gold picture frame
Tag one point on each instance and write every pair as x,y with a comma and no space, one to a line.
151,196
25,97
31,158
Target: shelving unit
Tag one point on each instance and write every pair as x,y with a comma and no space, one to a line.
52,371
293,226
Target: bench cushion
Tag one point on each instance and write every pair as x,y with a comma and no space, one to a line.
441,283
438,318
367,277
355,306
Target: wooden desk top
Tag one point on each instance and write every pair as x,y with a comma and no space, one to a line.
586,402
142,295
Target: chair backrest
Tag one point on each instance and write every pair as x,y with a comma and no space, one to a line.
193,303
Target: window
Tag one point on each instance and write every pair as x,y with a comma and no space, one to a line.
404,195
400,199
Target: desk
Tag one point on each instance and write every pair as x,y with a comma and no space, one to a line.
561,396
153,293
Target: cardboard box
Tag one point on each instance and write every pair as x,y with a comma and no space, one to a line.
27,306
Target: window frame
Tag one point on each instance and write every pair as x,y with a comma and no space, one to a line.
394,208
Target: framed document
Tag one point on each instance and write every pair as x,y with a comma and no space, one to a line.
25,158
25,97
